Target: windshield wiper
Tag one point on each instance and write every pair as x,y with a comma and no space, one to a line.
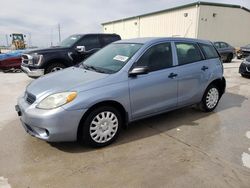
90,67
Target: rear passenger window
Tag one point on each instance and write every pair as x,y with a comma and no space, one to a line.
223,45
109,39
209,51
187,53
157,57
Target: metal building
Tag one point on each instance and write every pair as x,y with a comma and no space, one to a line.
203,20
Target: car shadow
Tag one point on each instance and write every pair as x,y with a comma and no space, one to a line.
161,123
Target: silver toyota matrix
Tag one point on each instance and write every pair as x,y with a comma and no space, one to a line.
126,81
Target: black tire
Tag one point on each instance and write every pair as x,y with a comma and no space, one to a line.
204,104
245,76
85,137
229,58
52,66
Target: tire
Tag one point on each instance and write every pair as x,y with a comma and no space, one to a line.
245,76
210,99
94,131
229,58
54,67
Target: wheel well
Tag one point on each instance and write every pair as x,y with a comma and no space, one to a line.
56,61
114,104
221,84
231,54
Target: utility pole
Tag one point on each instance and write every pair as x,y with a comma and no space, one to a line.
7,41
51,37
59,32
30,40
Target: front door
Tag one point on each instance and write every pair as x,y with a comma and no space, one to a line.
92,45
157,90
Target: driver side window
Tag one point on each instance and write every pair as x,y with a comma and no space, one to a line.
157,57
90,42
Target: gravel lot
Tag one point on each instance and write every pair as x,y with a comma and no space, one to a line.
184,148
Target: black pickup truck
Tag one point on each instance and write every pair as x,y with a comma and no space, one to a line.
69,52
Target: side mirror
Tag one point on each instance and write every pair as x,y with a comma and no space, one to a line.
139,71
81,49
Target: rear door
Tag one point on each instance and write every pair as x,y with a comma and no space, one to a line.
191,72
157,90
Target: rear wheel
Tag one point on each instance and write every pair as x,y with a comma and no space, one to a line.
101,127
54,67
229,58
210,99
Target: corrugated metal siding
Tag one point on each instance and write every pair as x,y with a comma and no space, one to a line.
170,24
126,29
231,25
164,24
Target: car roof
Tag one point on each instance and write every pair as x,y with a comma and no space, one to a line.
84,34
149,40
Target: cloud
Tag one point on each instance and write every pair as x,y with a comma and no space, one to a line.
40,18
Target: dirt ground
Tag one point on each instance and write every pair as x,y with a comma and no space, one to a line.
183,148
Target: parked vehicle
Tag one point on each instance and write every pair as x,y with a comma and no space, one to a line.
126,81
10,60
244,69
226,51
71,51
244,52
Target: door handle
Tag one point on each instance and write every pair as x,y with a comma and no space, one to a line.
172,75
204,68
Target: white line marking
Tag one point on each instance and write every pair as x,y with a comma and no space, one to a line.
4,183
248,134
245,159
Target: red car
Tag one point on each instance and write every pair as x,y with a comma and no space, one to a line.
12,62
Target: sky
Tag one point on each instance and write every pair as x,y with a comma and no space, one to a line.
39,19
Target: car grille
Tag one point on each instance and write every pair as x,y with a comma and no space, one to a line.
30,98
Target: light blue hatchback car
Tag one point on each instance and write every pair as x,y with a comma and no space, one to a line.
126,81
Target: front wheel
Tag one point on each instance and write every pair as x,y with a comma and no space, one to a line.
101,127
210,99
54,67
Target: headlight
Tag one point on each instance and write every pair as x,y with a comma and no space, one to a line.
37,58
57,100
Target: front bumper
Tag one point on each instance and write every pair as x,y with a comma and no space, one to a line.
57,125
244,68
33,73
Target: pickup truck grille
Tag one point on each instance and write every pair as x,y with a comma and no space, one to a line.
30,98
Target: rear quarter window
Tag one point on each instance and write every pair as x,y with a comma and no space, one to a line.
209,51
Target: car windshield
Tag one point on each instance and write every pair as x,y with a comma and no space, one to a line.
68,42
112,58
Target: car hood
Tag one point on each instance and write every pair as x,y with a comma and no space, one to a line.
47,50
70,79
